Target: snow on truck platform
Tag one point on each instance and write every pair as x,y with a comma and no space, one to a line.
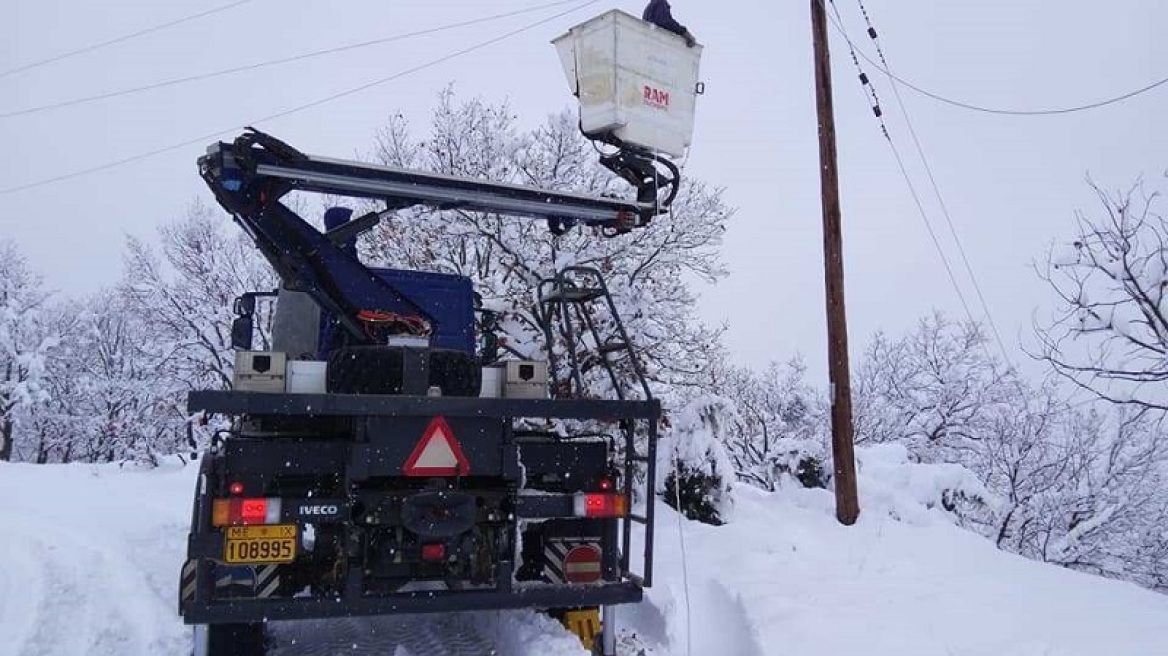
90,558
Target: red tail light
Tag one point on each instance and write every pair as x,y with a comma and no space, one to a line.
434,553
601,505
237,488
245,512
605,484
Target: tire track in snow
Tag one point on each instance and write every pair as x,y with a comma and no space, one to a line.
92,570
88,597
22,578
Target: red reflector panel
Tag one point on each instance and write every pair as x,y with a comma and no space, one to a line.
438,453
253,511
582,565
600,505
246,512
433,552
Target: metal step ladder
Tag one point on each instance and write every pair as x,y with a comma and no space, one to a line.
567,309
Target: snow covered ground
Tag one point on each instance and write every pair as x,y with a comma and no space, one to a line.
89,559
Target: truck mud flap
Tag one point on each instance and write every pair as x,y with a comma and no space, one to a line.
246,581
232,581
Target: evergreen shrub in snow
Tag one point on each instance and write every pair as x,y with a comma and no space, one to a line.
699,469
803,461
700,494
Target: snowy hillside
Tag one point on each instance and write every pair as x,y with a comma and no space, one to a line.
90,559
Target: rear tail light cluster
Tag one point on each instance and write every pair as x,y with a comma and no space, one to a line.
601,505
246,512
434,552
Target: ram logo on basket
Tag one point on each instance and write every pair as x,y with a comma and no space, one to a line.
655,97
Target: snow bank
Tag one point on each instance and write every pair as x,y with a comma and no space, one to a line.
91,555
917,493
90,558
783,577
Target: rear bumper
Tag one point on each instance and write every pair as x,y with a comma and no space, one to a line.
536,596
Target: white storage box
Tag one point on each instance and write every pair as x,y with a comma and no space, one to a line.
307,377
492,382
633,79
525,379
259,371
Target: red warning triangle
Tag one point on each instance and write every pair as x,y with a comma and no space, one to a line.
437,453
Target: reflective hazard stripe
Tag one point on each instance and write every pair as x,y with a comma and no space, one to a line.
188,581
556,551
266,580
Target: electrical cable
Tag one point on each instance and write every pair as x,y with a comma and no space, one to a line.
677,473
936,188
300,108
124,37
1053,111
1020,112
900,163
275,62
684,556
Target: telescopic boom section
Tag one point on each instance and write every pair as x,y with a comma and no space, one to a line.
250,175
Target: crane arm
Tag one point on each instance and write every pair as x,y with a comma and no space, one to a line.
250,175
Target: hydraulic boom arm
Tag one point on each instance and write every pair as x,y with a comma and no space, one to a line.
250,175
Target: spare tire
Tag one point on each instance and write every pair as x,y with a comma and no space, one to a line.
380,370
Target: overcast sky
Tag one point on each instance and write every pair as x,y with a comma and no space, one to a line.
1012,184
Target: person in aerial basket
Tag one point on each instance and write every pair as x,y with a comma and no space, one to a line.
658,13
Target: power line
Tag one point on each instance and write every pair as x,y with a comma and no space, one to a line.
994,110
125,37
283,60
936,188
1021,112
300,108
837,21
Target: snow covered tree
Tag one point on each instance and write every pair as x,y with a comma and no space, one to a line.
1082,488
112,399
186,295
47,425
932,389
781,428
646,271
1109,332
25,342
698,469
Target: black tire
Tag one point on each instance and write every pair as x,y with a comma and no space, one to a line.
379,370
236,640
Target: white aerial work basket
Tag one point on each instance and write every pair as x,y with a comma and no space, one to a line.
635,81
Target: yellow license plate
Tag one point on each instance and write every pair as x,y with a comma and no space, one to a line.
257,545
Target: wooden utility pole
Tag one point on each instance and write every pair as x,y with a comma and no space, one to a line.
847,504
